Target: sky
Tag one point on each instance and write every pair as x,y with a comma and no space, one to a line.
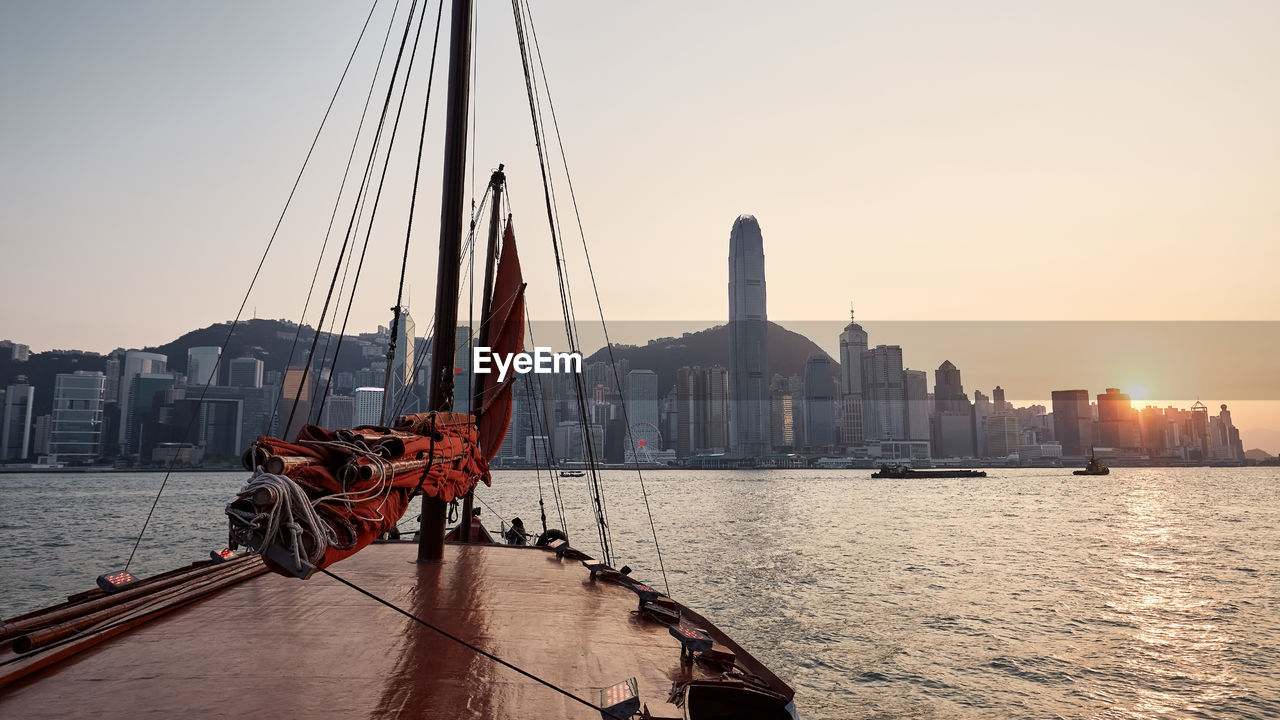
924,161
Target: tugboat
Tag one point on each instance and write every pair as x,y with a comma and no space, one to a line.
1094,467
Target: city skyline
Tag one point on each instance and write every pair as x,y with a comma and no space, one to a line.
1031,377
978,152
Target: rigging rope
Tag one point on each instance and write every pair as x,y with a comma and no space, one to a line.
252,282
386,106
608,343
597,491
346,172
413,201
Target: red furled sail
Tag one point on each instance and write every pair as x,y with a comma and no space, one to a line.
330,493
506,336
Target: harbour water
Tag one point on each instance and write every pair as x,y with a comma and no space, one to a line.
1148,593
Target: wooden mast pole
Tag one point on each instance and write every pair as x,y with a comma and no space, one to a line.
486,305
452,207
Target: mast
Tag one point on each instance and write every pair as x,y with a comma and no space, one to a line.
486,305
431,537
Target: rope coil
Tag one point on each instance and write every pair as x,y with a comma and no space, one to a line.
292,511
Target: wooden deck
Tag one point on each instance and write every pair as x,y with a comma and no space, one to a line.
316,648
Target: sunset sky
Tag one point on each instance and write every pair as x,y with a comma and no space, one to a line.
923,160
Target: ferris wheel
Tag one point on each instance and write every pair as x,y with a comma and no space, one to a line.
645,441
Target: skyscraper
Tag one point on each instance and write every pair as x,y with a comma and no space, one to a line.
1073,421
15,427
245,372
748,338
642,413
76,435
135,363
819,402
781,413
884,394
462,341
1001,435
202,366
915,385
340,412
1117,421
997,399
368,409
702,399
853,342
953,431
402,370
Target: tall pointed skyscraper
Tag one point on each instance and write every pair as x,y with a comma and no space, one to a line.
853,342
748,336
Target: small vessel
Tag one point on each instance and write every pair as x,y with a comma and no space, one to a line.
1095,466
573,473
902,472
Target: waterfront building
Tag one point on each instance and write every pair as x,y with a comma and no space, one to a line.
1001,435
782,413
1039,451
853,342
883,394
998,402
952,433
202,366
245,372
819,402
339,412
76,430
402,363
703,410
537,450
749,433
795,386
981,411
15,427
915,385
295,402
368,406
1073,421
136,362
644,434
149,394
1118,425
1225,444
569,443
243,413
40,438
462,342
112,373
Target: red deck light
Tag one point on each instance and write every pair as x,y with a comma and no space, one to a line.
692,640
222,555
620,701
111,582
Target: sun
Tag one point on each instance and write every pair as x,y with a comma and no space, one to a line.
1137,391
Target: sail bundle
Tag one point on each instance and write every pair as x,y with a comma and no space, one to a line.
336,491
